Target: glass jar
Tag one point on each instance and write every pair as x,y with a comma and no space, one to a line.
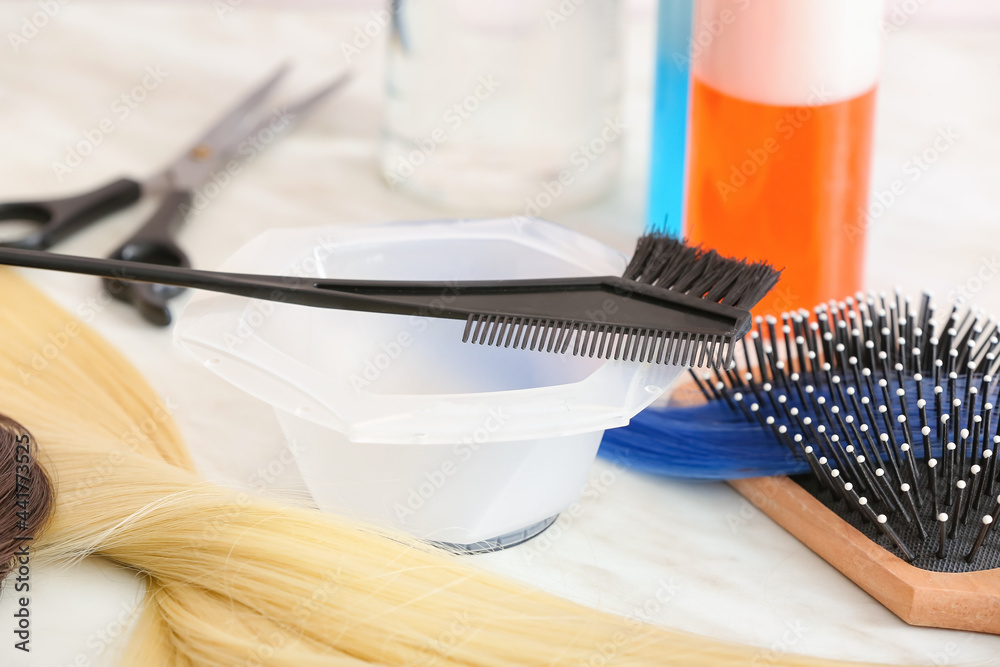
503,107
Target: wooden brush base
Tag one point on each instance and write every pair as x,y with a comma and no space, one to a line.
959,601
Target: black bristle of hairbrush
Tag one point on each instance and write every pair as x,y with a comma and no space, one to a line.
663,261
846,386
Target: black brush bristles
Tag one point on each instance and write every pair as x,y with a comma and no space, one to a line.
900,406
663,261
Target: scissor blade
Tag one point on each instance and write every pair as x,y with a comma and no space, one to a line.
290,114
217,144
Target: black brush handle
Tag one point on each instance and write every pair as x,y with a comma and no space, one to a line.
606,300
300,291
585,298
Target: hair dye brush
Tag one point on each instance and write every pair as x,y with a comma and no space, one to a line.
674,305
888,416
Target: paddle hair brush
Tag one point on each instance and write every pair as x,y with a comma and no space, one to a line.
884,416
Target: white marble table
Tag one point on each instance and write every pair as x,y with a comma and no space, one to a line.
720,567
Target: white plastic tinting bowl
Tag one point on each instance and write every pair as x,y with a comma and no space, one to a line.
394,418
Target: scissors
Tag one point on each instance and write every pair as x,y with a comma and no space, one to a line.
52,220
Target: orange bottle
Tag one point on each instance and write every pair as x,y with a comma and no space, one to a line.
782,107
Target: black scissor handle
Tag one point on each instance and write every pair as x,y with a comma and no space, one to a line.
55,219
153,243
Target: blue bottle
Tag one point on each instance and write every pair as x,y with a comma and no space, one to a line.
665,211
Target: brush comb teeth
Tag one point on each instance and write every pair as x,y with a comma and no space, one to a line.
601,341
